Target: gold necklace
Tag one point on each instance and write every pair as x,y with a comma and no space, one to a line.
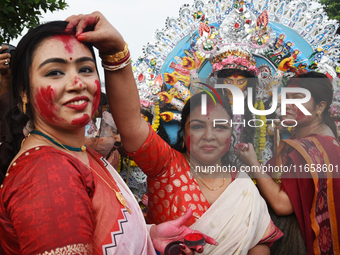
212,189
121,199
119,196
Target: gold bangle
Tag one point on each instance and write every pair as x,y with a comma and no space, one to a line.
115,57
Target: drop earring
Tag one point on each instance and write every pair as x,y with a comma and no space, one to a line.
24,102
319,114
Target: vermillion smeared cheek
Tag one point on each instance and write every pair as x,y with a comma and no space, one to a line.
296,113
291,110
96,98
227,145
81,121
300,115
188,142
45,105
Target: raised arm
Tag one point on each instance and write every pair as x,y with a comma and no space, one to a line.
270,190
120,85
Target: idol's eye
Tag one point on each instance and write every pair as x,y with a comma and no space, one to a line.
240,82
54,73
227,81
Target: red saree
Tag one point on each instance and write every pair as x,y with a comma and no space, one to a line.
51,203
315,195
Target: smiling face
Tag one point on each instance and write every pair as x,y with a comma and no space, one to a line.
64,84
206,143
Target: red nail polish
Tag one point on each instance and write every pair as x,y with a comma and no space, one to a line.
183,247
81,37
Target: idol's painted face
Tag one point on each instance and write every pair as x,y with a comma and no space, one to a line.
206,143
237,80
65,88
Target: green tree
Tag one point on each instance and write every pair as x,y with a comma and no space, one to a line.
15,15
332,7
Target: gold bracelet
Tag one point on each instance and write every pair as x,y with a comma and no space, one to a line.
115,57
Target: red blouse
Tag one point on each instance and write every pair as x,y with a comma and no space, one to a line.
46,203
171,189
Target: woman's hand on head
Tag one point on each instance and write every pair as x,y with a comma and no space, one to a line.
174,230
247,155
94,28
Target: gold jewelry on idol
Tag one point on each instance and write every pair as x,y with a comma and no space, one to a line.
212,189
183,145
24,102
119,196
115,57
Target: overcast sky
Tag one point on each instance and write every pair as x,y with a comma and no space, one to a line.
136,20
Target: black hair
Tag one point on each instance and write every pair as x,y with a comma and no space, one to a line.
247,135
13,117
103,99
321,89
190,106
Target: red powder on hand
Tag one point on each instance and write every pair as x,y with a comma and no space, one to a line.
193,237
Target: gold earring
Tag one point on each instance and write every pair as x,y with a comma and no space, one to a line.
319,114
183,144
24,102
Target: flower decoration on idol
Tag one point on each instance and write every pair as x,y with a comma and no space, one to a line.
335,111
260,133
234,59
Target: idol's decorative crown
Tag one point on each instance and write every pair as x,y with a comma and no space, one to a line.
232,44
234,59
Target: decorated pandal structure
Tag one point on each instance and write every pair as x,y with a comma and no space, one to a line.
272,40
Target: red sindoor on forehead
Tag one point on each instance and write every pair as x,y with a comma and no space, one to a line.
66,39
